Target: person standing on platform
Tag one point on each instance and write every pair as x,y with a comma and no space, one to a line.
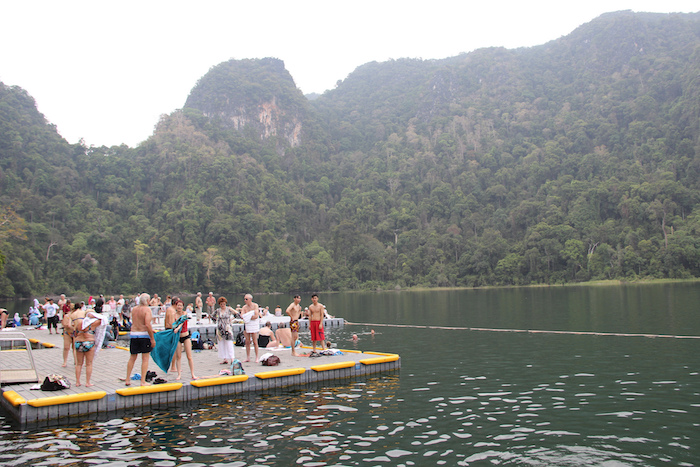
168,321
316,323
223,317
120,304
142,340
67,334
294,312
51,313
84,326
251,318
185,337
198,305
211,303
61,302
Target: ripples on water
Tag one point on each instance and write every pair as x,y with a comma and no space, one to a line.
478,399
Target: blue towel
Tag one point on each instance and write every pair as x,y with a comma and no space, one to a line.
166,344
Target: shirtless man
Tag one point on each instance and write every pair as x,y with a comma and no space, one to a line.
294,312
198,305
61,301
316,323
211,304
142,340
251,317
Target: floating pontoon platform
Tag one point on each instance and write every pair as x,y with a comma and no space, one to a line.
110,395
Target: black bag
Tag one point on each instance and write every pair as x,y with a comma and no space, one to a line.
208,345
273,360
55,383
240,339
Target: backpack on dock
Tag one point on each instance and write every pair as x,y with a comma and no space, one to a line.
240,339
237,367
55,383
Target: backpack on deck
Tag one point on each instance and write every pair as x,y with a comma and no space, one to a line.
237,367
272,360
196,340
240,339
55,383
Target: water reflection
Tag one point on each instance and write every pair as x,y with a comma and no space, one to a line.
507,399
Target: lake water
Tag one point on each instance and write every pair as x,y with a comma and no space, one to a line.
461,398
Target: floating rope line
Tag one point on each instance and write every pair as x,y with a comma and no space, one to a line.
531,331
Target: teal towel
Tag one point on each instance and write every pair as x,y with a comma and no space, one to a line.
166,344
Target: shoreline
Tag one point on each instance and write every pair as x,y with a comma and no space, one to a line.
598,283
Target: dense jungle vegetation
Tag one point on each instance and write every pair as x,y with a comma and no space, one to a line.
572,161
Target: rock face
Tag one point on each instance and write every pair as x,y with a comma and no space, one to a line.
256,97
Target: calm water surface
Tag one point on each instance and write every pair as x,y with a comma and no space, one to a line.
461,397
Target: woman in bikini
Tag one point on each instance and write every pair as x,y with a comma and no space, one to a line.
185,338
67,335
84,344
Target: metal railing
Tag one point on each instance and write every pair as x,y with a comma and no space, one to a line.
17,375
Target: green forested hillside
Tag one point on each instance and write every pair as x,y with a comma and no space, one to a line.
572,161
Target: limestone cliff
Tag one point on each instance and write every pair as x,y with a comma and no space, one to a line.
256,97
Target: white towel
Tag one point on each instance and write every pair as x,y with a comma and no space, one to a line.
92,317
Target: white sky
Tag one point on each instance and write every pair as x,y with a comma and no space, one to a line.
105,71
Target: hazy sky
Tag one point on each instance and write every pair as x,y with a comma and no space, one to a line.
105,71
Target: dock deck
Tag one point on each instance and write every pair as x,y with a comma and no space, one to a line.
109,394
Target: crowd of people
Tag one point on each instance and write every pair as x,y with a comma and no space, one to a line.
87,326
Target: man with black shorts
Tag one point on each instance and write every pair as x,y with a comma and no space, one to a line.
142,340
51,312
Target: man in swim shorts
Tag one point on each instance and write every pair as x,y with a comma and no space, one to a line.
142,340
251,318
316,323
294,312
211,304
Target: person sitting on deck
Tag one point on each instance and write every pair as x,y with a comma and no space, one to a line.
34,317
266,338
284,335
